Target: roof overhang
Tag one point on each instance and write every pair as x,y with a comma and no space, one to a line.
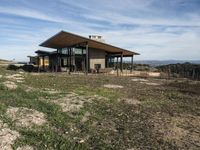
65,39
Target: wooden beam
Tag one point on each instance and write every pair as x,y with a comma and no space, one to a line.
81,44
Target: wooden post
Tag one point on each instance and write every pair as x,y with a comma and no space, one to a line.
70,59
43,63
107,61
87,59
83,62
38,59
121,63
132,64
117,67
57,61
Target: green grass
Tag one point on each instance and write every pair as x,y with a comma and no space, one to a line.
112,124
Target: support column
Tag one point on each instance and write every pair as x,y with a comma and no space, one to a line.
83,62
87,59
132,63
121,63
117,67
57,61
43,63
70,59
38,60
107,60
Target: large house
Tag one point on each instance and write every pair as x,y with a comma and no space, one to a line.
76,53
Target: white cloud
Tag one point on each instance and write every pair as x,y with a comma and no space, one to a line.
153,32
28,13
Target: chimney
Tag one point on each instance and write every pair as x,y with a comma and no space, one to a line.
97,38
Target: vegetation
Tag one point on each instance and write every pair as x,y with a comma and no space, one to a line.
186,70
141,115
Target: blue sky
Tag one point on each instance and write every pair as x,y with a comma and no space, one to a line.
158,29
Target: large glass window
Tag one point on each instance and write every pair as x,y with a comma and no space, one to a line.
76,51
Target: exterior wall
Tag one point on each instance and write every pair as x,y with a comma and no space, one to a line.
96,57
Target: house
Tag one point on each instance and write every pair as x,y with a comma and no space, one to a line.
76,53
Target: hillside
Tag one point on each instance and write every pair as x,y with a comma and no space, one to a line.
2,61
61,111
165,62
185,70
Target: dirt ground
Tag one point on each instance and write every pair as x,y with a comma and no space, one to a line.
61,111
24,117
7,136
113,86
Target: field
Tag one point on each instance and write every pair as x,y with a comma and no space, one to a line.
61,111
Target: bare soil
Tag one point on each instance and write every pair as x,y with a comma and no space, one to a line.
25,117
132,101
7,136
140,80
71,102
10,85
178,129
27,147
50,91
152,83
15,77
113,86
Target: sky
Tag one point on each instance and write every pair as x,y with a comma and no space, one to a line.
157,29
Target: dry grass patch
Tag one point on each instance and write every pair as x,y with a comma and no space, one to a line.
50,91
145,81
132,101
85,117
29,89
182,130
15,77
26,147
152,83
113,86
26,117
7,136
10,85
71,102
140,80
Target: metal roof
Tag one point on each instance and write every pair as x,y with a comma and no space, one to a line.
65,39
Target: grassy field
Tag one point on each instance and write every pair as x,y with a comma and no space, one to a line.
61,111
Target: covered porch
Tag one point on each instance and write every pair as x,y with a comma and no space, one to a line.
78,52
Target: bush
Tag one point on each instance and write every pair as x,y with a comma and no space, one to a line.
12,67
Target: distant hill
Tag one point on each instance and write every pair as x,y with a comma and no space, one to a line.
185,70
2,61
165,62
